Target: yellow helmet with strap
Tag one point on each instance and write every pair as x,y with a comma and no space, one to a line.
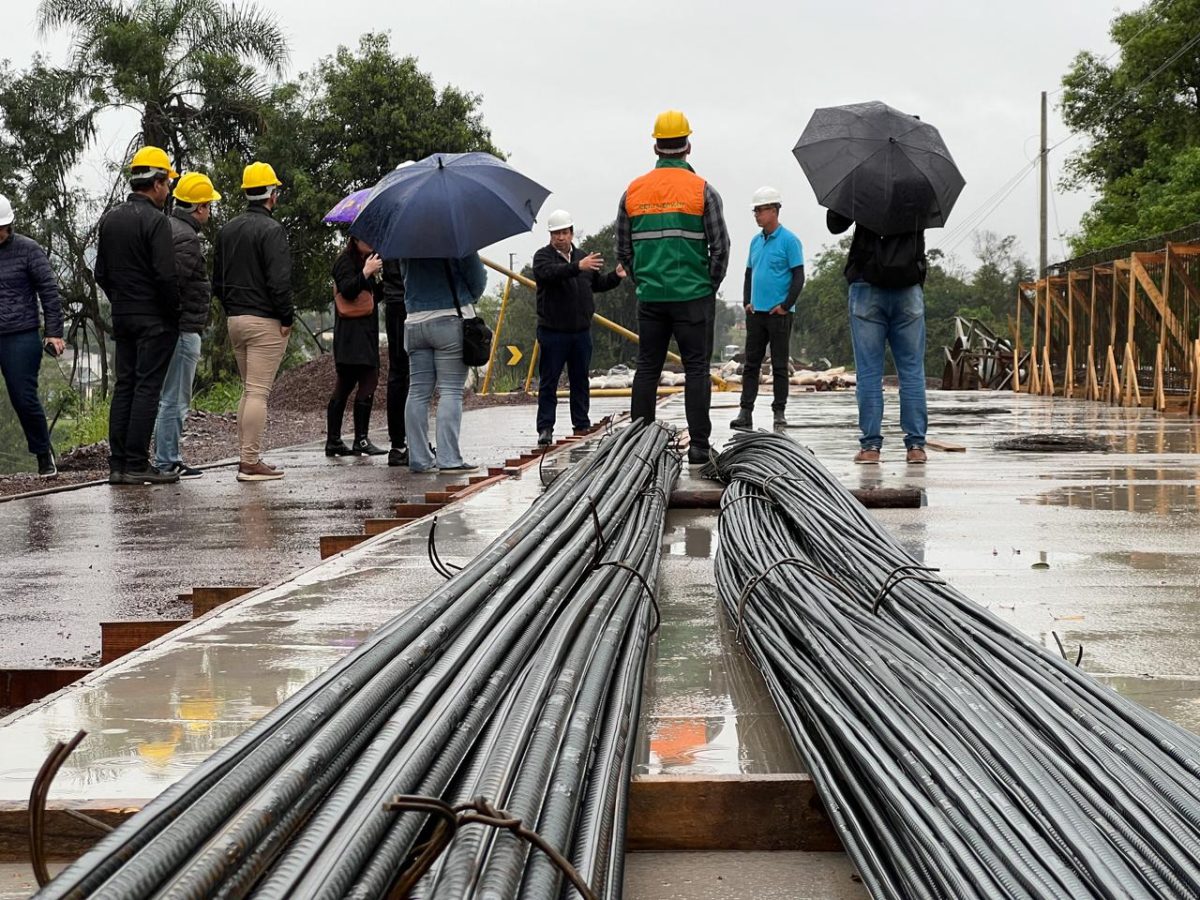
195,188
153,158
259,175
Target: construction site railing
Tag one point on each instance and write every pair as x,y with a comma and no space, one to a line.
511,276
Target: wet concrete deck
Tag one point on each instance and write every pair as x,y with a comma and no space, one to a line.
76,558
1117,533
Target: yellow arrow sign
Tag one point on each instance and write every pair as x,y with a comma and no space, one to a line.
514,354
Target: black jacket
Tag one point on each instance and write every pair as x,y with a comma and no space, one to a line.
891,261
195,290
355,341
135,261
252,267
564,293
393,282
26,278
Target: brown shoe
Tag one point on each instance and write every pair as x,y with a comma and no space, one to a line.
867,457
915,456
259,471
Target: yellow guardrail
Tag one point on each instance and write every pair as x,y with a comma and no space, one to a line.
600,320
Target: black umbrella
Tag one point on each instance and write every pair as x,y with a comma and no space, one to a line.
884,169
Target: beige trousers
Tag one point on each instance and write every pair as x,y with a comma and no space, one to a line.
258,347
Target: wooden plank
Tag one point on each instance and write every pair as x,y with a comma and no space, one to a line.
66,838
20,687
417,510
735,812
120,638
206,599
871,498
945,446
372,527
333,544
1174,327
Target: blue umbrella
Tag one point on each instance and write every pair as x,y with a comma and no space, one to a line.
447,205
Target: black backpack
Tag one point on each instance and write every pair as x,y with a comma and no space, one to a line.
895,260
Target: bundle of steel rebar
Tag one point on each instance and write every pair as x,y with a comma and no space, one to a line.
515,686
955,756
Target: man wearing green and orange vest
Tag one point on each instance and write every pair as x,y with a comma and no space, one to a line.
672,240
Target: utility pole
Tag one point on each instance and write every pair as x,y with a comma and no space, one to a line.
1043,195
511,256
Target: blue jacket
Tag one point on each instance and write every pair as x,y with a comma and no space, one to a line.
427,288
26,276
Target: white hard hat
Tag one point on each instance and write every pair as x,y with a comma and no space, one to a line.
6,212
559,219
766,196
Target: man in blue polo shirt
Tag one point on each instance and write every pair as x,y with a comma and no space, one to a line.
774,279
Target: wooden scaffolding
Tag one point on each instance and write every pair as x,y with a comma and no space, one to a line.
1123,330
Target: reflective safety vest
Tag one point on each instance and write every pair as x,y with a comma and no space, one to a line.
666,217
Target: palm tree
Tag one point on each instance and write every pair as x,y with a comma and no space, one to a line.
188,67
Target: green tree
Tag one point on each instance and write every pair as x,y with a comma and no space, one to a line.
186,66
341,127
1141,115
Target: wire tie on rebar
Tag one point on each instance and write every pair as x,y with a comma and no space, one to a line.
767,482
653,489
620,564
446,570
901,574
1063,650
601,542
760,497
38,794
787,560
477,812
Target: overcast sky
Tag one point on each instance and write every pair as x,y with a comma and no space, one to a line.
570,91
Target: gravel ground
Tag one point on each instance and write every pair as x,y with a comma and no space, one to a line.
295,415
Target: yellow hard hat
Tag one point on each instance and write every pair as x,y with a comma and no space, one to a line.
259,175
195,188
671,124
153,158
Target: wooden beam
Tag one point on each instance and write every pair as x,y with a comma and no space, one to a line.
417,510
731,812
119,638
333,544
871,498
20,687
206,599
1091,389
1142,277
372,527
945,446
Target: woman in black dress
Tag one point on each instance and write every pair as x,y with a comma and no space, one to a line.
355,350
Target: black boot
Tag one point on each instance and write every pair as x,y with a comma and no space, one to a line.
362,445
743,422
334,445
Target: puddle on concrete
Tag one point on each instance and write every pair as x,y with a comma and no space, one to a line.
1162,499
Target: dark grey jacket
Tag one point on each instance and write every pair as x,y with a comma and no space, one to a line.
26,277
564,291
252,267
135,261
195,290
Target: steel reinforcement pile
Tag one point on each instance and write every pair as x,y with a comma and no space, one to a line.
517,681
956,757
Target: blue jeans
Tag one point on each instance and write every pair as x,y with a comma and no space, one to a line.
175,399
20,362
574,351
893,317
434,357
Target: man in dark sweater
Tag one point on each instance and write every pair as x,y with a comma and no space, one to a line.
566,279
135,266
25,280
194,197
887,308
